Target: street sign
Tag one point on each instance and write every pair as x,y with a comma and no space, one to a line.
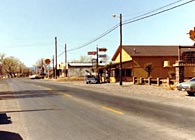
47,61
192,34
92,53
102,55
102,49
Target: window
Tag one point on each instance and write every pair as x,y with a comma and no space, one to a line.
188,56
128,72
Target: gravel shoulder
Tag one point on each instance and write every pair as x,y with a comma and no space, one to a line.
153,93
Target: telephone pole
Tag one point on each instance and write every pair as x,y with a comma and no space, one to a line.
66,64
56,58
121,47
53,67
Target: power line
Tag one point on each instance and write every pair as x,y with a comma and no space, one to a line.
97,38
132,20
152,11
157,13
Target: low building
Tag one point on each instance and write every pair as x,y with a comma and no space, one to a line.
78,69
135,59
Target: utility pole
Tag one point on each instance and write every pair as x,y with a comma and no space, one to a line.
66,64
121,47
56,58
97,59
97,65
53,67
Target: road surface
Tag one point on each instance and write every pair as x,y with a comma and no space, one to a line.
40,109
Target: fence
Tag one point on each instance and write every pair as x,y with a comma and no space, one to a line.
150,81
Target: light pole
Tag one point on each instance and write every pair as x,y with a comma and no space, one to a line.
121,47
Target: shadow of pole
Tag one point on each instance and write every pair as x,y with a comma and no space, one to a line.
4,119
4,135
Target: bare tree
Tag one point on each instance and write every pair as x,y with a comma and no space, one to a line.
11,66
2,55
41,66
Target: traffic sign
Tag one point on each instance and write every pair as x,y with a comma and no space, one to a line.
92,53
192,34
47,61
102,55
102,49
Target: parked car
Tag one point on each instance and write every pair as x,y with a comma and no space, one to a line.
188,86
35,76
90,79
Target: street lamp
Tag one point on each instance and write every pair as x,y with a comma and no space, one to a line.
121,47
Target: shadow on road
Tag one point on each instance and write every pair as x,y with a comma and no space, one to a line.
4,135
33,110
4,119
26,94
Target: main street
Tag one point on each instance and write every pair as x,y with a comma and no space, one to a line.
40,109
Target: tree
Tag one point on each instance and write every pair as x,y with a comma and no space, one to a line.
40,66
148,68
2,55
13,67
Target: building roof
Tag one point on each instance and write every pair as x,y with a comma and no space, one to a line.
148,50
83,64
80,64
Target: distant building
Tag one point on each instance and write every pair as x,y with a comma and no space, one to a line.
78,69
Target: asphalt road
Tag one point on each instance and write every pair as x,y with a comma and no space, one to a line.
41,109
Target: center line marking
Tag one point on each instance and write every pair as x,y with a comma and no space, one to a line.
112,110
67,95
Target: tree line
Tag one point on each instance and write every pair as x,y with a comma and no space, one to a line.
12,67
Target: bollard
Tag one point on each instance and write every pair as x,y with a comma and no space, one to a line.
158,81
141,80
149,80
134,80
168,81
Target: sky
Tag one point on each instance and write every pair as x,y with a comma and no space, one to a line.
28,27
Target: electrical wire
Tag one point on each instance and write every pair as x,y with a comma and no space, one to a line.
152,11
157,13
132,20
99,37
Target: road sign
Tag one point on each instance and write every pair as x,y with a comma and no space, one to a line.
102,49
192,34
102,55
47,61
92,53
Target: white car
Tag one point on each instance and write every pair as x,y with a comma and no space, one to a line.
35,76
188,86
